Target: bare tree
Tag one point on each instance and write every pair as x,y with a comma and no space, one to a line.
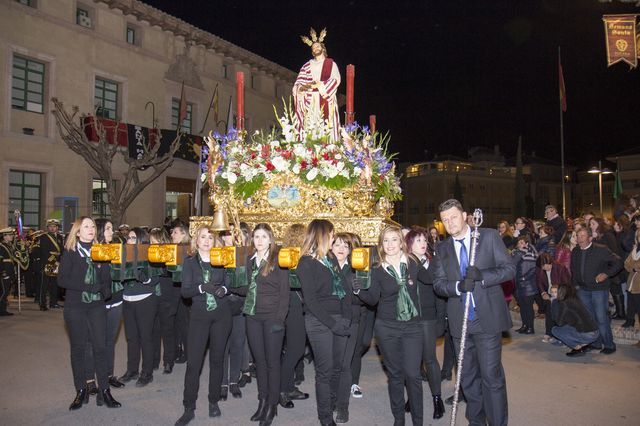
100,155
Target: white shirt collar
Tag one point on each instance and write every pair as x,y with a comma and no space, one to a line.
403,259
265,257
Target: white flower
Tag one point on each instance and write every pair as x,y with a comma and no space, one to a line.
312,173
299,150
280,163
230,176
296,169
274,144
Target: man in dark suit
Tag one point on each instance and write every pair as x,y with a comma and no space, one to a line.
483,380
48,249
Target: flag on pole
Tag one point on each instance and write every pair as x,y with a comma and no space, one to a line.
215,107
182,112
563,93
617,186
230,123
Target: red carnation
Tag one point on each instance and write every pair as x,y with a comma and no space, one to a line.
270,166
303,165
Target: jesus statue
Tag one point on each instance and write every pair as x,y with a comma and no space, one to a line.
314,91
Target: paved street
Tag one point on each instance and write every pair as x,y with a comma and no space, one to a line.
545,387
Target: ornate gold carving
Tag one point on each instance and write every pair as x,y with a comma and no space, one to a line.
288,257
360,259
107,253
164,253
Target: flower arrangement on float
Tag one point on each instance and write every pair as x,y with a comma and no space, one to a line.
358,158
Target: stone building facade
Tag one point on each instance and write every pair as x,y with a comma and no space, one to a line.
116,56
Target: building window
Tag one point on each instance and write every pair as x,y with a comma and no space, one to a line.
106,99
225,71
254,82
83,17
27,84
175,112
30,3
24,194
131,35
100,199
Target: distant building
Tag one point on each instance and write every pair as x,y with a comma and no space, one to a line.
487,181
113,55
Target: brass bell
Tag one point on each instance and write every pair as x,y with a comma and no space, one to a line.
220,220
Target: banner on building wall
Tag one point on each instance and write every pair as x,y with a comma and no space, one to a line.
620,39
133,137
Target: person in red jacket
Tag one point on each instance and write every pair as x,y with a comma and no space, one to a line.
549,273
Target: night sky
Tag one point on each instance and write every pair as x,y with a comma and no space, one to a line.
445,75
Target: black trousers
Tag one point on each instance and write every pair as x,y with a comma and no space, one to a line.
363,341
429,336
449,359
139,318
328,354
483,380
526,310
112,327
265,340
234,355
548,321
296,338
5,288
182,322
87,323
30,283
206,327
48,285
167,313
401,346
633,305
344,385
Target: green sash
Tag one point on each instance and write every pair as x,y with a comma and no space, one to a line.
405,309
206,276
90,278
336,285
250,302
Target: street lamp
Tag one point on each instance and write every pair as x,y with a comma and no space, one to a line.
600,171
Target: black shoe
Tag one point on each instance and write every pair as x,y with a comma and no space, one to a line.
82,397
44,308
521,329
168,368
55,306
259,414
590,347
181,359
187,416
444,375
629,323
115,383
331,423
528,331
129,376
298,394
438,407
270,412
235,390
342,415
104,397
461,398
608,351
144,380
252,370
224,392
576,352
214,410
92,388
285,401
6,314
244,379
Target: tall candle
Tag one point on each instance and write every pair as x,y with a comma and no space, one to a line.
351,73
372,123
240,100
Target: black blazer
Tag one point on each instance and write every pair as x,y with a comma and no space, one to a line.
496,267
192,279
384,291
599,259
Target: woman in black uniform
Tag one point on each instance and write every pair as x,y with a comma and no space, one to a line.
88,285
210,322
394,288
265,306
328,313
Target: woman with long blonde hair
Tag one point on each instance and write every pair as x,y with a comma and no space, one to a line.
88,285
210,322
328,312
394,289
